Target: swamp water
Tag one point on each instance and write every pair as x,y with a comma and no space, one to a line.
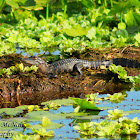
67,119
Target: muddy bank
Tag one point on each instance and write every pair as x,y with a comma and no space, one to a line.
34,87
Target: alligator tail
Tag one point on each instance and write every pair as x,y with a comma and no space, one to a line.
126,62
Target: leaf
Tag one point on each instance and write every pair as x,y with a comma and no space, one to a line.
2,4
11,123
84,116
137,18
45,121
37,115
51,126
137,79
116,114
135,3
33,67
64,102
12,3
44,2
25,137
91,33
27,125
22,14
79,31
42,132
10,111
121,25
115,98
84,104
120,7
30,108
130,19
133,111
137,37
88,3
132,29
20,66
122,33
1,72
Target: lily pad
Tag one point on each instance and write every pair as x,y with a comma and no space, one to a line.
10,111
11,123
51,126
133,111
84,116
89,117
38,115
23,107
64,102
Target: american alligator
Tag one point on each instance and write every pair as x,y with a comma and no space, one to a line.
70,65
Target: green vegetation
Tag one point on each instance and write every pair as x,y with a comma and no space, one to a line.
122,74
36,25
109,129
18,68
85,104
48,106
116,97
41,132
116,114
26,137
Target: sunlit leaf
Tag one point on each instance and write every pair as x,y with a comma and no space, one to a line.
64,102
37,115
130,19
137,37
121,25
51,126
116,114
44,2
26,137
79,31
116,98
42,132
84,104
20,66
12,3
46,121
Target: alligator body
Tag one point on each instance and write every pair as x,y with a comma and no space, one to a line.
70,65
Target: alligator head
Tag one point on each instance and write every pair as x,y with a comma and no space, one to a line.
40,63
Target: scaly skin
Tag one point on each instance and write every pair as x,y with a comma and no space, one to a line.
69,65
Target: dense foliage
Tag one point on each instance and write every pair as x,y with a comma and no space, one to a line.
122,74
68,26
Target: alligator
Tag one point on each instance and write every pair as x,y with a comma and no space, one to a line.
70,65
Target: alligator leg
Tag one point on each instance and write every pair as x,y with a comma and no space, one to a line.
78,67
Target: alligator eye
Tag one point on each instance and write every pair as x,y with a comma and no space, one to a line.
31,56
